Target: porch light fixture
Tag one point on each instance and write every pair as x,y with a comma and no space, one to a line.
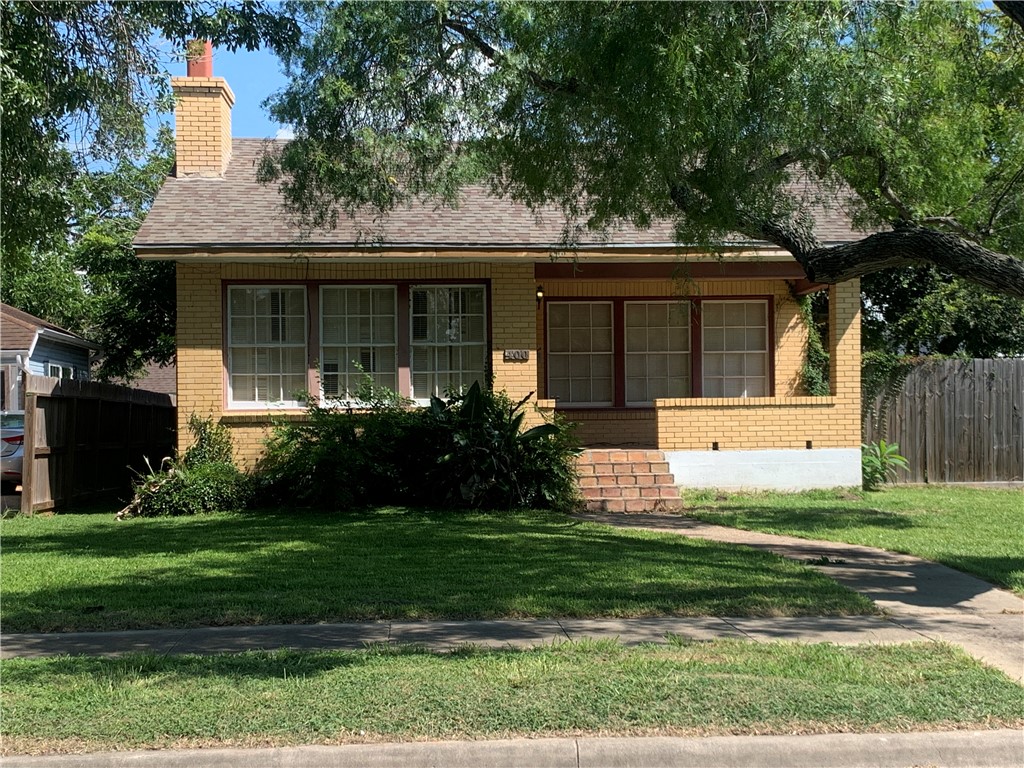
540,294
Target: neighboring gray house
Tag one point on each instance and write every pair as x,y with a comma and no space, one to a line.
30,344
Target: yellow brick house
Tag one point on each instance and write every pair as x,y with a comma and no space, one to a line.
645,344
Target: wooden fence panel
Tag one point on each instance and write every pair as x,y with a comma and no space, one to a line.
957,421
84,439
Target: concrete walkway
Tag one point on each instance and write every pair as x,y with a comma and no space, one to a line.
957,749
917,595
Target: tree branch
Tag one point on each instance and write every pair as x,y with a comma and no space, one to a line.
912,244
908,244
1014,9
496,56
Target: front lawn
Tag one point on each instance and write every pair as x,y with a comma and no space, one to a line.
978,531
384,694
90,572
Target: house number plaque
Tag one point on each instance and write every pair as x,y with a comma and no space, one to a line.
517,355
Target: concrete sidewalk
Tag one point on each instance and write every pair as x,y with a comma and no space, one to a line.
957,749
446,635
922,601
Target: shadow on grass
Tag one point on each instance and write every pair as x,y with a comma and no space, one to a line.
838,517
1005,572
393,564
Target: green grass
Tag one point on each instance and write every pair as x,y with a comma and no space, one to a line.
978,531
381,694
90,572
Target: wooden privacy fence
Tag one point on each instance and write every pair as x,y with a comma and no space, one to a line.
84,439
957,421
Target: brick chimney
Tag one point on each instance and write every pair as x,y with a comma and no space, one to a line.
202,116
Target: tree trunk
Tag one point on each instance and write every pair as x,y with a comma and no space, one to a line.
915,245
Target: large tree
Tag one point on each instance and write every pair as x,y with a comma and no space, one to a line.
80,80
80,165
707,113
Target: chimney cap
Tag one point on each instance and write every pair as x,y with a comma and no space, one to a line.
199,55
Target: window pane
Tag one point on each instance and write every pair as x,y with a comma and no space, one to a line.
579,347
449,350
579,315
558,340
243,388
636,316
657,339
558,366
756,313
242,330
735,339
735,314
733,364
267,343
558,315
743,334
558,389
733,388
657,315
711,313
755,364
240,302
757,339
602,340
714,339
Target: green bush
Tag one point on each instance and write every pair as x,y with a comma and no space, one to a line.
879,462
203,479
468,451
489,462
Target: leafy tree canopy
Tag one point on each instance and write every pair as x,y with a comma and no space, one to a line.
706,113
93,284
79,173
79,79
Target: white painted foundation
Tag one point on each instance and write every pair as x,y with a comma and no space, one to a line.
779,470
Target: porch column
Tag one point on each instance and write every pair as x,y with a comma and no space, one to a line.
844,359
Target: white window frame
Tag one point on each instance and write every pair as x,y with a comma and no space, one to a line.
766,352
424,399
687,356
610,354
232,403
324,399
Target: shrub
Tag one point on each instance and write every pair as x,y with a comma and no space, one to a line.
203,479
467,451
489,462
879,462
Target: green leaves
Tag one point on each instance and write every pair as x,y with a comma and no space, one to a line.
880,462
702,113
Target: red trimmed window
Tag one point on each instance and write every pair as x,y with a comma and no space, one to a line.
628,353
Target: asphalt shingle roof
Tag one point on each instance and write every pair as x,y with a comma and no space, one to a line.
236,210
18,329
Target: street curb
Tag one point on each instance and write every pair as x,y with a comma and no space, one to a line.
950,749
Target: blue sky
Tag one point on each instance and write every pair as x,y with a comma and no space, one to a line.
253,76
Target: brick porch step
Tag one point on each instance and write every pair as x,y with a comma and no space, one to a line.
627,481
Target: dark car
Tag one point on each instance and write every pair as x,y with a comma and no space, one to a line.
12,438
